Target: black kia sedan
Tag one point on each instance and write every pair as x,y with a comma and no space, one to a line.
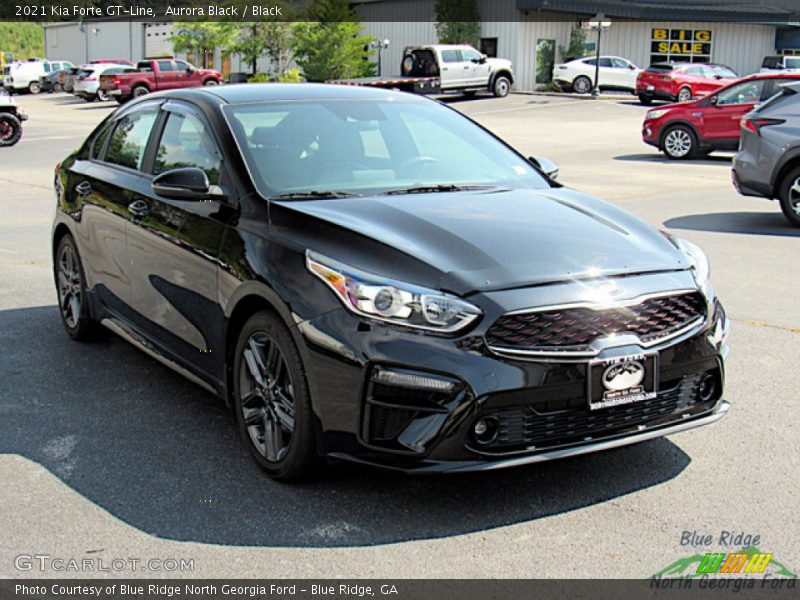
368,275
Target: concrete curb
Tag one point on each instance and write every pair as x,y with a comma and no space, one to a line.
602,96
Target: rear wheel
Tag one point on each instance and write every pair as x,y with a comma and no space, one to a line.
34,87
685,94
582,85
645,99
501,87
789,194
679,143
271,397
103,95
211,82
10,129
71,286
139,91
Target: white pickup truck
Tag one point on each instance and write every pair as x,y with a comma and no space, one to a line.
442,68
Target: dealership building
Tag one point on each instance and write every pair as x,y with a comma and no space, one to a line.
737,33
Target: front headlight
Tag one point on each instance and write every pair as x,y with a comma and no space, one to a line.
698,260
655,114
391,301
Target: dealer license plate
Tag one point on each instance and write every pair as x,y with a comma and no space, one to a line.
622,380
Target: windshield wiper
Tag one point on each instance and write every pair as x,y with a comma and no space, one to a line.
439,187
314,195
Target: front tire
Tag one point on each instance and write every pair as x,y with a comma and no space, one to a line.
271,399
103,96
582,85
679,143
645,99
73,305
10,129
34,87
789,195
501,86
211,82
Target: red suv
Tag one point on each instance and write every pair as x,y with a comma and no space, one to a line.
680,82
692,129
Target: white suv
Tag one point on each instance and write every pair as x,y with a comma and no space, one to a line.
615,73
26,76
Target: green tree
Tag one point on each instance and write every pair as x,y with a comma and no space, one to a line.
249,44
330,45
577,45
203,38
22,40
458,22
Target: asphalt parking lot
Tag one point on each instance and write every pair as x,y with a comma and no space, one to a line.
106,454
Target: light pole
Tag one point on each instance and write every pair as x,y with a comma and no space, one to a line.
598,22
379,45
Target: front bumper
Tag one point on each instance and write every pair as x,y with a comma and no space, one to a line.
541,403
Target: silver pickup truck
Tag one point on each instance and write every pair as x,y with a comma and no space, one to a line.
443,68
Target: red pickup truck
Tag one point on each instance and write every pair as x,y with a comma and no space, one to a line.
157,75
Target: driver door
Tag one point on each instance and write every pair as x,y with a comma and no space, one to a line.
479,68
722,118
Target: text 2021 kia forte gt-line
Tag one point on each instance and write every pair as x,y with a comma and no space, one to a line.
368,275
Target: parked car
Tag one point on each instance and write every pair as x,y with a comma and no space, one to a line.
768,162
445,68
615,73
67,79
680,82
87,81
693,129
54,81
779,63
154,75
11,119
113,61
26,76
368,275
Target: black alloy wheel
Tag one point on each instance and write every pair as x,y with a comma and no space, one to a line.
272,400
71,286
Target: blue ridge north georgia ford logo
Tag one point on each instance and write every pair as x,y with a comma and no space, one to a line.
623,376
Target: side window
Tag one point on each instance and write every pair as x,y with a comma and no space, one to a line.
186,142
471,55
129,140
606,62
620,64
181,66
451,56
99,142
747,92
695,72
166,66
591,62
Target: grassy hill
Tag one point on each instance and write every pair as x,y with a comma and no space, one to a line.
25,40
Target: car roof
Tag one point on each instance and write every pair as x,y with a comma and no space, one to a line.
244,93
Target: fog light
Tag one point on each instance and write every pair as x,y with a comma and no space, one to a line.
708,387
485,430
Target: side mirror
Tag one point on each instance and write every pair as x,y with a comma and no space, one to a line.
546,166
186,183
632,67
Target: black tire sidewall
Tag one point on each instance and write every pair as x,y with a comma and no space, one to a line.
579,78
692,136
16,124
495,88
301,456
86,327
137,92
783,197
645,99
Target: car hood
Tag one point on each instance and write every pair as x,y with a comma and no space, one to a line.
501,239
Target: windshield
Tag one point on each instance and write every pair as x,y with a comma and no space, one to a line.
369,146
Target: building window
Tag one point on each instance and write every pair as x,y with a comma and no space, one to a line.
489,47
545,60
680,45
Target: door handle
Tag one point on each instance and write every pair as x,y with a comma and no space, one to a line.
139,209
84,188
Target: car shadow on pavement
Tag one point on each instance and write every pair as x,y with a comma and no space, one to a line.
159,453
657,157
752,223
